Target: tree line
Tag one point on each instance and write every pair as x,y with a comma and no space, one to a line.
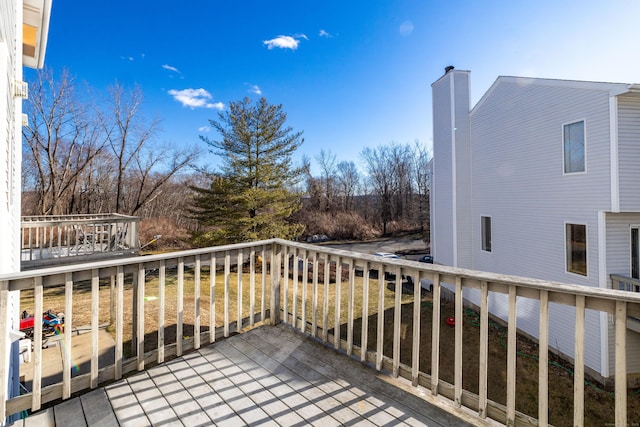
88,153
84,154
390,191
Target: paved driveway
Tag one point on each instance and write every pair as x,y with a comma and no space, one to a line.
412,247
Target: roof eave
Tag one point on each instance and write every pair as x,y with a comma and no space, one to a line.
37,13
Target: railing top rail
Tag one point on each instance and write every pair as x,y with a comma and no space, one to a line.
539,284
523,282
76,217
145,259
623,278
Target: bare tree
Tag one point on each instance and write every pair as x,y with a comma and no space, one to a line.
140,165
60,142
399,156
348,180
421,160
380,171
79,158
127,132
327,162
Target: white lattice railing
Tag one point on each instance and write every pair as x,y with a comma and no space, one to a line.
52,240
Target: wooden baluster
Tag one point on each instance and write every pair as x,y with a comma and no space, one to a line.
380,326
511,357
484,349
435,336
212,299
415,351
68,332
239,291
180,308
227,274
36,398
196,302
543,361
161,304
314,297
364,332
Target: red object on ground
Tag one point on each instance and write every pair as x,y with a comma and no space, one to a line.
451,321
26,323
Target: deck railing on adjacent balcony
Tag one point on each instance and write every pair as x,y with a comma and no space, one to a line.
53,240
316,290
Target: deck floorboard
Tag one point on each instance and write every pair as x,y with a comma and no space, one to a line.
267,376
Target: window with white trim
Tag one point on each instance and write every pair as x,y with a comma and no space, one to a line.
574,147
486,233
576,235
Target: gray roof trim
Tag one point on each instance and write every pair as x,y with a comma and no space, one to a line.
614,89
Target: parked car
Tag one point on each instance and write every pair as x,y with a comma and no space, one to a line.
386,255
387,274
317,238
426,258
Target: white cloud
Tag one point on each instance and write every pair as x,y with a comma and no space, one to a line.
127,58
204,129
170,68
255,89
285,42
195,98
406,28
323,33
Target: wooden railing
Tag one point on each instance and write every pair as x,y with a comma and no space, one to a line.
371,308
52,240
628,284
624,283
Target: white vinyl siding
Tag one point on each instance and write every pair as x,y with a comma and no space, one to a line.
629,151
516,134
464,217
619,242
442,191
518,152
618,228
10,134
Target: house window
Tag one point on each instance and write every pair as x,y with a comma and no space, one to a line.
573,140
486,233
635,253
577,248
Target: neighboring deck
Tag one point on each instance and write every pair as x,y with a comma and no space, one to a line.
267,376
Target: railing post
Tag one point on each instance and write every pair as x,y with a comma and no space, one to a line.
4,348
276,268
435,335
112,301
578,375
68,332
95,312
134,315
140,324
119,321
621,363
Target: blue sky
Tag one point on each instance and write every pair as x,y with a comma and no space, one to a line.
350,74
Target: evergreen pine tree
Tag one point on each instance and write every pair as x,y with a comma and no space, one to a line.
252,197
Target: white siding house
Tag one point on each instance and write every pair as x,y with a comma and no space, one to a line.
23,36
541,178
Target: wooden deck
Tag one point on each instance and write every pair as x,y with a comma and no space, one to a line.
267,376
